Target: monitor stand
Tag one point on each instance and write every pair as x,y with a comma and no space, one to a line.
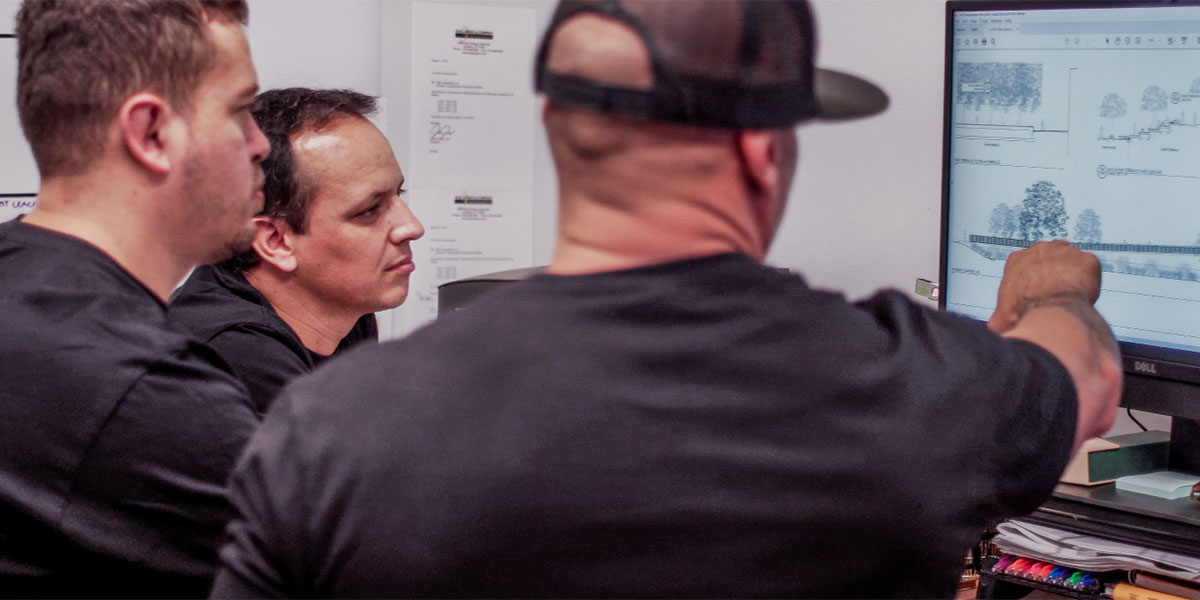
1105,511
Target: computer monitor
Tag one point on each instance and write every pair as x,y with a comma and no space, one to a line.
457,295
1081,120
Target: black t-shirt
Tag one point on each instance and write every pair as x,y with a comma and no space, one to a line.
117,433
223,310
710,427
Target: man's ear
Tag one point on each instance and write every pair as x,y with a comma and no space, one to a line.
145,121
759,156
766,160
273,243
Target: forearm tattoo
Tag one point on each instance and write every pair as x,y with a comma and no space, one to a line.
1100,334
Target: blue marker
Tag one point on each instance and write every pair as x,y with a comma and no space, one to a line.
1089,583
1058,575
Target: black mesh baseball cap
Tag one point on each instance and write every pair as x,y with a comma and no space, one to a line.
735,64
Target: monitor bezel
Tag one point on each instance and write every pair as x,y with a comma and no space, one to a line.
1174,371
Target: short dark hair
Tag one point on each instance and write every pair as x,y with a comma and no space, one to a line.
282,114
79,60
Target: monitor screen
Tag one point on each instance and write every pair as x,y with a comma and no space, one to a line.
1079,121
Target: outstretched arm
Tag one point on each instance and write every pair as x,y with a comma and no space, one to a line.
1046,297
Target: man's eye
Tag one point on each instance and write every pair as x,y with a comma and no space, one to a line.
370,212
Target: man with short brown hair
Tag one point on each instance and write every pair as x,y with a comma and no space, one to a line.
332,245
117,431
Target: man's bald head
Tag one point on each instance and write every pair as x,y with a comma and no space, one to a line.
728,64
601,49
597,150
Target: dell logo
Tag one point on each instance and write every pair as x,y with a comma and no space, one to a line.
1142,366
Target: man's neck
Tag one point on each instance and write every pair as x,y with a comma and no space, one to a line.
319,326
113,221
596,237
634,194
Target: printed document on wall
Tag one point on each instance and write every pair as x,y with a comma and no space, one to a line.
466,234
472,96
18,175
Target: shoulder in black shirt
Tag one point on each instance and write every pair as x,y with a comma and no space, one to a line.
222,309
117,432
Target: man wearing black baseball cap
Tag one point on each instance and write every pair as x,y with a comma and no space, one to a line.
660,414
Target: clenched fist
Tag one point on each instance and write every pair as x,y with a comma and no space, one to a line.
1046,272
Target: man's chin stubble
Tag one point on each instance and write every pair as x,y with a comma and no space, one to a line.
236,246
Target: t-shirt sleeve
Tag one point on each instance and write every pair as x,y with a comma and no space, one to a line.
151,489
1003,410
1036,432
264,363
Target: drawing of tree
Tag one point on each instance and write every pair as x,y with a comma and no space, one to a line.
1113,107
1087,226
1027,85
1043,213
1154,99
1004,221
968,73
999,86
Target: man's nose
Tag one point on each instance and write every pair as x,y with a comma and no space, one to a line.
407,227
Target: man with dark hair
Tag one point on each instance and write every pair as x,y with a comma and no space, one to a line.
331,247
116,431
660,414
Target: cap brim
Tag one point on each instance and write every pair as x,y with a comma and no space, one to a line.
844,96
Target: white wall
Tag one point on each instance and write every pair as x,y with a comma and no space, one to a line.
397,62
316,43
865,211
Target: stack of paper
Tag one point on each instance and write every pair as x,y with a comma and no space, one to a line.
1162,484
1090,553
